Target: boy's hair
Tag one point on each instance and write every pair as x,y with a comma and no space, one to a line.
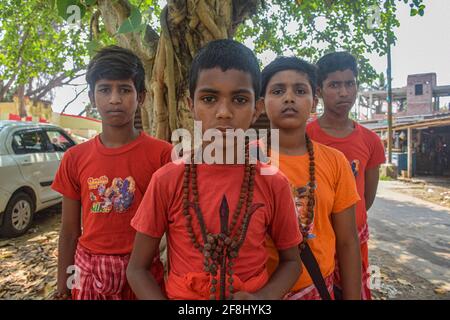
116,63
225,54
335,61
289,63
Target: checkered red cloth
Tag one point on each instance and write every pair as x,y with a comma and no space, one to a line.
365,276
101,277
311,292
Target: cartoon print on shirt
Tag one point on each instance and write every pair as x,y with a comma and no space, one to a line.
355,167
119,196
301,195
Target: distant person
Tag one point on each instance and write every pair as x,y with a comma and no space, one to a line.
103,181
338,87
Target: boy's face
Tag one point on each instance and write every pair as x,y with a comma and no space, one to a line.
116,101
225,100
289,99
339,92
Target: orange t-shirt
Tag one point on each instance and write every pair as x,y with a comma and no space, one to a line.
110,184
363,150
336,191
161,211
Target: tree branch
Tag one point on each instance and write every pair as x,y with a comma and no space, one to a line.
76,97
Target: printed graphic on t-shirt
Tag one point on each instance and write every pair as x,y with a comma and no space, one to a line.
118,196
355,167
301,198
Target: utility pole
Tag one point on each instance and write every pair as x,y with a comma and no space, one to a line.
389,85
389,100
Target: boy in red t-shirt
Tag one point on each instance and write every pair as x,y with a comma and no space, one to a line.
103,181
337,80
217,216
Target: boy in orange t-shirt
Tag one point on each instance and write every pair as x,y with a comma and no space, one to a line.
337,80
321,179
103,181
217,216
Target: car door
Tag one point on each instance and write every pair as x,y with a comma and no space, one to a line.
32,152
58,142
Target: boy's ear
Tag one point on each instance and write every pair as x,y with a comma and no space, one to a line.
314,106
141,97
91,98
190,104
259,108
319,92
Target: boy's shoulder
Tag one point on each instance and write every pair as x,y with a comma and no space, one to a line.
155,142
271,174
368,134
329,154
81,149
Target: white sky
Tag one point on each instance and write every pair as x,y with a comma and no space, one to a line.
423,45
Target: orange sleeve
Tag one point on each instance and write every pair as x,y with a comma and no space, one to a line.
284,229
377,155
151,216
346,193
67,179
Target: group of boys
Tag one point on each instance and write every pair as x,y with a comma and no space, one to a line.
231,231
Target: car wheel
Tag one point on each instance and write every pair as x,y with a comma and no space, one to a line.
18,215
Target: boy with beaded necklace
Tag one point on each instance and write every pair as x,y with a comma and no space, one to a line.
321,179
213,254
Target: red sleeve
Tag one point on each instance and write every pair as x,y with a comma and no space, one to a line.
166,155
284,229
377,156
67,179
346,193
151,216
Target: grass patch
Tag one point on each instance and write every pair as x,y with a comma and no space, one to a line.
386,178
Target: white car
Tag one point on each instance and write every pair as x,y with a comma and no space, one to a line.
30,154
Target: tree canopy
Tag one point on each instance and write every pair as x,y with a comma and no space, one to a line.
47,39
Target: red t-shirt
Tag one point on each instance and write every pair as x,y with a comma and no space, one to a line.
161,211
110,184
363,149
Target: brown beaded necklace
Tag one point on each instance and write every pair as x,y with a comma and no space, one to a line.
311,200
218,249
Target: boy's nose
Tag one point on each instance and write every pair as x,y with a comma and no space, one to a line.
223,111
289,97
115,97
343,92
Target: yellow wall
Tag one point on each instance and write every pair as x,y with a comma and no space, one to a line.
38,110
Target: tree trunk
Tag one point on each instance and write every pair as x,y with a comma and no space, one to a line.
21,97
186,26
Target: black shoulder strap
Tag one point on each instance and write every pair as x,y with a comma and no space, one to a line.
311,265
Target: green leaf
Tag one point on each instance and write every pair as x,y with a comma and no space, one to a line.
133,22
413,12
66,9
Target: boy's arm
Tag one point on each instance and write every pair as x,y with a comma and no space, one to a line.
371,185
68,239
139,277
284,277
348,251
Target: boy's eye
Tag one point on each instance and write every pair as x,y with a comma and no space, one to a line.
124,90
208,99
103,90
301,91
277,91
240,100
